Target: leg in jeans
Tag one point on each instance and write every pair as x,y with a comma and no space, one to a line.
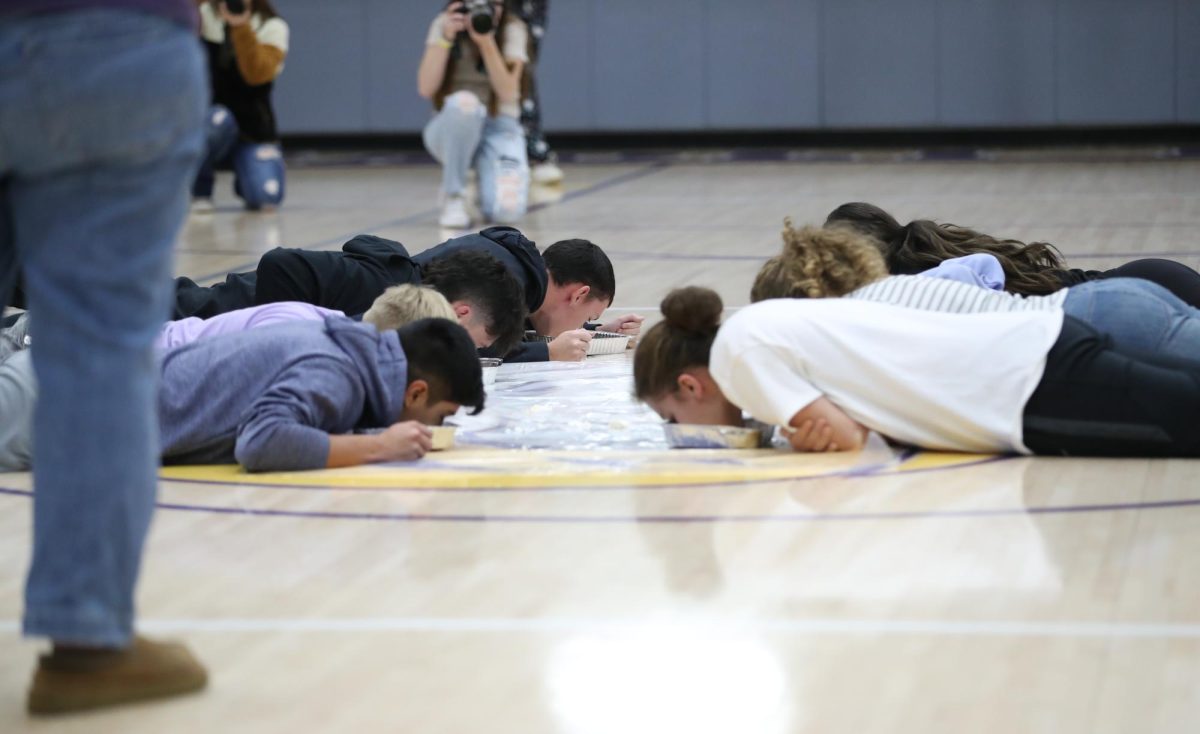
1096,399
1139,315
107,137
18,393
259,174
503,171
222,137
1176,277
453,136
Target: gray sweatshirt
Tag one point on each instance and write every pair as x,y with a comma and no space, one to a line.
268,398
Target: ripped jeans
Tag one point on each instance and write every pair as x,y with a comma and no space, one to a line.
463,136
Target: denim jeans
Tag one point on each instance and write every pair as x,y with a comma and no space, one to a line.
101,116
463,136
18,394
258,169
1138,315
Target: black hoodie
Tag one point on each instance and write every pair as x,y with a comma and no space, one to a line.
517,253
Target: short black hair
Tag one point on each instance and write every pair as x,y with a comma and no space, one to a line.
481,280
441,353
581,261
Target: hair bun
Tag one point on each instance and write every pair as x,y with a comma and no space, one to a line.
693,310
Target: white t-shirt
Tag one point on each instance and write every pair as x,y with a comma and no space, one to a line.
955,382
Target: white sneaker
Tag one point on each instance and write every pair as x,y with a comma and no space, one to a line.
454,213
547,173
202,206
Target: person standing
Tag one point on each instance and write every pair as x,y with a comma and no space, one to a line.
101,112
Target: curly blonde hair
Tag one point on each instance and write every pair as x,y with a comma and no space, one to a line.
818,263
404,304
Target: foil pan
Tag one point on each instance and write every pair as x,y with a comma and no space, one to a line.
691,436
491,367
603,342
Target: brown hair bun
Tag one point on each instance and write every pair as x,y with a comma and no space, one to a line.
693,310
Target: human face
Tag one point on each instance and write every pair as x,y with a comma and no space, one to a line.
476,326
417,406
565,309
696,400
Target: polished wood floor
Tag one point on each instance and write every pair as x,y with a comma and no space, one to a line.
1005,596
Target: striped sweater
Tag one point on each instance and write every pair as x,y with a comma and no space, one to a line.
948,296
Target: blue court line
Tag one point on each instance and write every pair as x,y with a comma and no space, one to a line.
607,183
630,255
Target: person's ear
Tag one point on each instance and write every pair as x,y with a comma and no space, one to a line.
580,294
690,386
462,310
416,394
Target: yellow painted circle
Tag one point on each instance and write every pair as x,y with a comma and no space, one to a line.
490,468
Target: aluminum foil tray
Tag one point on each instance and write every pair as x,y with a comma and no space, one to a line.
690,436
603,342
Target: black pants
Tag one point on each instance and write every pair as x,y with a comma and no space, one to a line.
1097,400
348,281
1174,276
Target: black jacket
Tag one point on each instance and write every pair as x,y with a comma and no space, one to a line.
517,253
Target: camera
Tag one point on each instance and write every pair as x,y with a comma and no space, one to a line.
483,19
237,7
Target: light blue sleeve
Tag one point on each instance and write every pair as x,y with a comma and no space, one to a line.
981,269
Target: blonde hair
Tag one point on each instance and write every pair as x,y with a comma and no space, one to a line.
818,263
403,304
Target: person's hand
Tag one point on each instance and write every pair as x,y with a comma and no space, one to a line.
453,22
570,346
627,325
235,20
813,436
407,441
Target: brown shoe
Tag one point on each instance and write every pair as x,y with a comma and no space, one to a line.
67,681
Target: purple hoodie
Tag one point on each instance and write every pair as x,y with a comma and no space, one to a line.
268,398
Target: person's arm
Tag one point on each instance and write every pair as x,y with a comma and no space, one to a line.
259,60
822,426
406,441
287,427
432,71
504,75
529,352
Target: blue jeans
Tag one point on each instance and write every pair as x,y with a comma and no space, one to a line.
1139,315
258,170
101,116
463,136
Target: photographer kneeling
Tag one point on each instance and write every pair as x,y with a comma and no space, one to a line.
472,67
246,42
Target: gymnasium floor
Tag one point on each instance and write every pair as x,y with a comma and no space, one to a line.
637,591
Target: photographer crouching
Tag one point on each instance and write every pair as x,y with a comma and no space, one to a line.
472,69
246,42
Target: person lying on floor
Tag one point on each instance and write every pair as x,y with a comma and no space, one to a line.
833,369
286,397
559,300
395,307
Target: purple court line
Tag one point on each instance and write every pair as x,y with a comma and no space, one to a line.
677,519
412,218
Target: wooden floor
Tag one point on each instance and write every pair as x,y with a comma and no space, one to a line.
1003,596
